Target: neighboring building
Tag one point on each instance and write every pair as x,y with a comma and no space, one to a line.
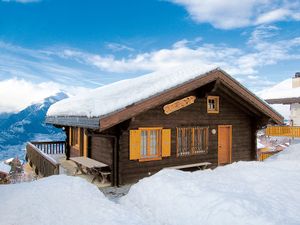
289,96
142,125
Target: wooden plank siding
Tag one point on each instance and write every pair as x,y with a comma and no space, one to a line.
102,149
243,142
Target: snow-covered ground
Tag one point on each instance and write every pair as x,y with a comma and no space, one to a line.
241,193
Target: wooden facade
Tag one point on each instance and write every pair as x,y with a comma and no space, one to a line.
198,122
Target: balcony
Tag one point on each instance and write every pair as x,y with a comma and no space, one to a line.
41,156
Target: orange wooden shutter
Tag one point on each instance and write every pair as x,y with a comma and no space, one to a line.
85,143
166,143
135,144
70,136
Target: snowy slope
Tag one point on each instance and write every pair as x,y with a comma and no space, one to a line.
115,96
26,125
243,193
60,200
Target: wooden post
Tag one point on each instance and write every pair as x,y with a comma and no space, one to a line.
67,143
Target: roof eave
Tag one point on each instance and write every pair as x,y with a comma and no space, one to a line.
74,121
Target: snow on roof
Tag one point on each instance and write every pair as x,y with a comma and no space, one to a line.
118,95
282,90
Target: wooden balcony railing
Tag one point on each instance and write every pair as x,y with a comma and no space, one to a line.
285,131
38,156
51,147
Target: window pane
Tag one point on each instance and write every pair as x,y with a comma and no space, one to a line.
153,142
143,143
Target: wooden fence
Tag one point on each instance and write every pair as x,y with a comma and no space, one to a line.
266,154
284,131
38,155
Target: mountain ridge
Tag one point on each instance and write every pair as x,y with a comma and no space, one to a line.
27,125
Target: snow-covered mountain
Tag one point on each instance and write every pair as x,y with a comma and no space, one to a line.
27,125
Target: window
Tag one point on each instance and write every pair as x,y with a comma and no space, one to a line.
213,104
192,141
149,144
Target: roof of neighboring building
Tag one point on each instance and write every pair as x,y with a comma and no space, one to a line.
285,101
283,90
116,102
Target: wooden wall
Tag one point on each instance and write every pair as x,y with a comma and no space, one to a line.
101,149
243,138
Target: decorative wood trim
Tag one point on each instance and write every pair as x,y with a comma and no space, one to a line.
179,104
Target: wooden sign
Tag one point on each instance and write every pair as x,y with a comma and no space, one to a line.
179,104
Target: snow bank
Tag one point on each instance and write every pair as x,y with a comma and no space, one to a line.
60,200
241,193
118,95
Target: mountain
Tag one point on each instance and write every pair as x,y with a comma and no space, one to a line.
27,125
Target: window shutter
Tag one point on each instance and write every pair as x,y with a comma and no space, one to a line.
70,136
166,143
135,144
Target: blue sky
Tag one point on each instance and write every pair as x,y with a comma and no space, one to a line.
89,43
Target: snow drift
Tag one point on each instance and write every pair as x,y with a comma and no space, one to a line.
59,200
243,193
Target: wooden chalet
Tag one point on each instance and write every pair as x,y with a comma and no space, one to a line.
208,118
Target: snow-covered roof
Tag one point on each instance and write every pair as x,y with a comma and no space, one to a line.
118,95
282,90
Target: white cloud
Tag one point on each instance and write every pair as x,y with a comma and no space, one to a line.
44,65
116,47
79,68
263,49
236,13
17,94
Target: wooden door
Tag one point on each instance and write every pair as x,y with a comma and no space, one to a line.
224,144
